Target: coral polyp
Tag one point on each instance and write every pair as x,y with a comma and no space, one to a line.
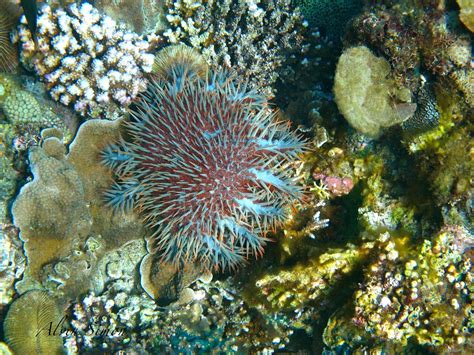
207,165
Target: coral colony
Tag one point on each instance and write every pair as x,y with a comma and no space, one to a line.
208,167
87,60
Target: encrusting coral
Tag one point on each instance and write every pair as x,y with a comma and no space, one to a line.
252,37
86,59
27,112
69,188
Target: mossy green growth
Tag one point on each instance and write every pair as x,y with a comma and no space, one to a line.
306,284
21,108
366,95
446,154
7,85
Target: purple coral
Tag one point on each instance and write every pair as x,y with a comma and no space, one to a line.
208,167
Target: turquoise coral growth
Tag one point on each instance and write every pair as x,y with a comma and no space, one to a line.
330,15
208,167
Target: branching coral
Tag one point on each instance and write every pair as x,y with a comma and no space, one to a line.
87,60
252,37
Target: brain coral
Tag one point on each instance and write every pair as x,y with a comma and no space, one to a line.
366,96
208,167
87,60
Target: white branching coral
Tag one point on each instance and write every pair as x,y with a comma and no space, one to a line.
87,60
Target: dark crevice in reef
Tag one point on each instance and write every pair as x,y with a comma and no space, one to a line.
410,185
344,224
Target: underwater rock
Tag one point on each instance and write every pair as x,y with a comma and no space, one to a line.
27,323
87,60
364,92
62,218
253,38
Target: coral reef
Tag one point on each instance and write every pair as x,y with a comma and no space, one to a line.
417,38
12,262
365,94
418,295
212,318
40,212
426,115
164,281
23,109
252,37
27,322
306,288
87,60
205,156
8,174
28,112
132,233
